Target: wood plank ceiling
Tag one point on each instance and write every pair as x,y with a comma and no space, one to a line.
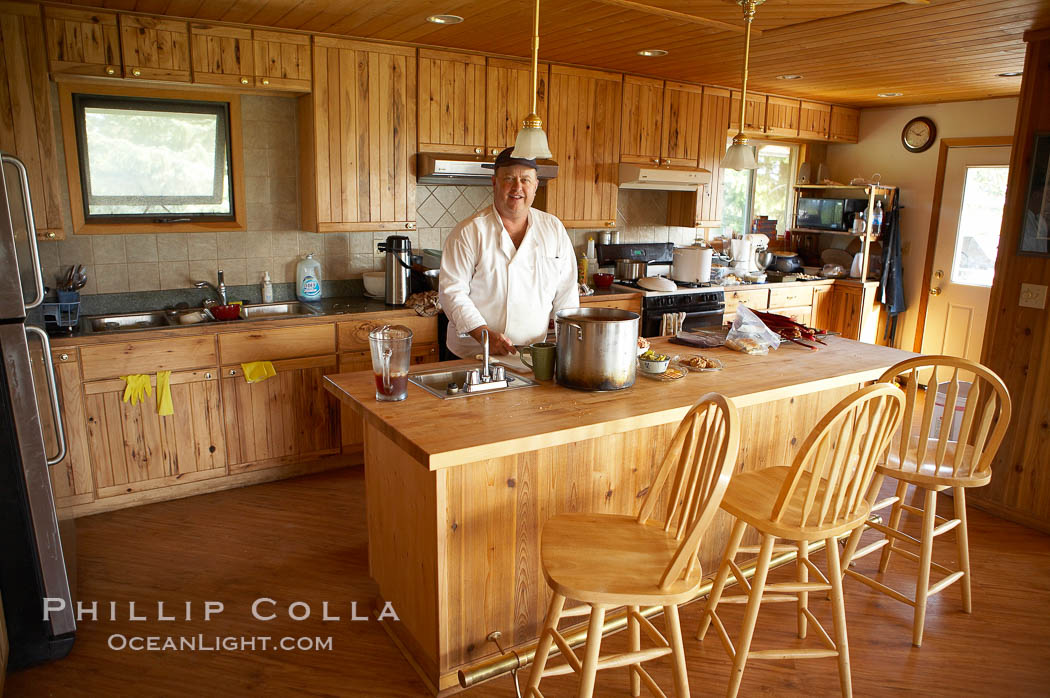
847,51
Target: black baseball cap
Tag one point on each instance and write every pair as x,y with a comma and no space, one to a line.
505,160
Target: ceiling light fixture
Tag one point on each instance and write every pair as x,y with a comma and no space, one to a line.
652,52
789,77
444,19
1010,74
741,155
531,143
890,94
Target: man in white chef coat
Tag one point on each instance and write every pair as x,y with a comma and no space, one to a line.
506,268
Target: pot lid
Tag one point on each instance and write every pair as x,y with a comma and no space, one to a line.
657,283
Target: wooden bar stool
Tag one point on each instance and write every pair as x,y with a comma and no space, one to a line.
607,561
981,426
820,497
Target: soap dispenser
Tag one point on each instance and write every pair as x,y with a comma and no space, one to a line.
267,288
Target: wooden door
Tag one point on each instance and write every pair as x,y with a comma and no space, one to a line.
642,120
683,107
282,419
754,112
704,208
451,102
222,55
82,42
821,312
844,126
972,197
282,60
26,128
155,48
360,121
134,449
585,138
508,99
782,116
814,120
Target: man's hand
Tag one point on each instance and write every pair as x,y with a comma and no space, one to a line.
499,345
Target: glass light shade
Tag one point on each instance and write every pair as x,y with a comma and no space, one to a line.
740,156
531,144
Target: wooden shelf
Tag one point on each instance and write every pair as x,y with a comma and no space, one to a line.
845,233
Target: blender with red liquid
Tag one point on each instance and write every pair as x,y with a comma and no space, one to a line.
391,355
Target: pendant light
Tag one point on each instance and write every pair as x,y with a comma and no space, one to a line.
531,143
741,155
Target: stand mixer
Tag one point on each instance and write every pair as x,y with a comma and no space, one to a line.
745,253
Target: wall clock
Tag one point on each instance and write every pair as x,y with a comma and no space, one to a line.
918,134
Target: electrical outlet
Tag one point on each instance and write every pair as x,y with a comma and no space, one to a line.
1033,296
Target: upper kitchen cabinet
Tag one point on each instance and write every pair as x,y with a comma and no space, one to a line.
82,42
451,102
814,120
782,116
704,208
282,61
222,55
508,100
584,133
845,124
155,48
660,122
27,130
754,112
357,137
683,107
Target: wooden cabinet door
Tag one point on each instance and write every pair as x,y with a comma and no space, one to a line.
155,48
360,121
282,60
508,98
282,419
222,55
845,124
754,112
814,120
705,207
585,139
683,106
352,428
26,128
133,449
821,313
82,42
642,120
782,115
451,102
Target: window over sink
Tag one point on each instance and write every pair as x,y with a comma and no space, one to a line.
748,194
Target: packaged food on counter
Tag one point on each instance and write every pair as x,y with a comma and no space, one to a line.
749,334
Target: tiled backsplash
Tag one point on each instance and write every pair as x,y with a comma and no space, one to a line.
149,262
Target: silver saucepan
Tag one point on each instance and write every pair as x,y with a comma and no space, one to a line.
630,270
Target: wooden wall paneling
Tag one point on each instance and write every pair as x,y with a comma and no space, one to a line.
222,55
282,60
642,127
782,116
508,98
154,48
683,106
814,120
451,102
83,42
754,112
845,124
27,129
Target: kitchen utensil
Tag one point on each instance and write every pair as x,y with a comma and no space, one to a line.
603,280
391,347
657,283
431,275
398,268
630,270
597,348
787,262
226,312
542,355
375,282
692,264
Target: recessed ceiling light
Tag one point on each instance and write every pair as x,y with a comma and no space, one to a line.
891,94
789,77
445,19
652,52
1011,74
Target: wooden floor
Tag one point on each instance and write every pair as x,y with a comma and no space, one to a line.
304,540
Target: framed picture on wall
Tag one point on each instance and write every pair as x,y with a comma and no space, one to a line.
1035,227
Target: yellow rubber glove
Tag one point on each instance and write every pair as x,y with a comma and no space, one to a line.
255,371
138,386
164,406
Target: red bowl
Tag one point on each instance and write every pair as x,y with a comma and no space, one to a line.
602,280
226,312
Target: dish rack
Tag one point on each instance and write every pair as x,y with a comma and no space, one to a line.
66,312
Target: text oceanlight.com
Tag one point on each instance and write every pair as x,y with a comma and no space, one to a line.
215,643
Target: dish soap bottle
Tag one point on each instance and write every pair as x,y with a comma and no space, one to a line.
592,262
308,279
267,288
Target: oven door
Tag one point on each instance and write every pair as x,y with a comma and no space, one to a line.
696,317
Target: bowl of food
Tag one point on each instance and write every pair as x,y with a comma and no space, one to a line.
375,282
643,345
603,280
651,362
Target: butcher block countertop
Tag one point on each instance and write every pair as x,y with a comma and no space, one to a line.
443,433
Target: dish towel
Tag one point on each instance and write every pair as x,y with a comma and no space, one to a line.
137,388
255,371
164,406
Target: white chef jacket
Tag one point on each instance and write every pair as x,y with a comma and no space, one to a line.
486,281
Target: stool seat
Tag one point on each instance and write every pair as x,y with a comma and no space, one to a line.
612,559
930,473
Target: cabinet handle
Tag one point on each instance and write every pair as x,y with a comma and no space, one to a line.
136,72
63,357
266,82
656,161
477,151
244,81
494,151
111,71
50,236
233,372
207,376
409,226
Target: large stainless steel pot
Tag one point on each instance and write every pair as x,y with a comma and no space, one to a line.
597,348
630,270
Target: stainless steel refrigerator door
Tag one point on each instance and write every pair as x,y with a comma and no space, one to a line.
20,387
18,246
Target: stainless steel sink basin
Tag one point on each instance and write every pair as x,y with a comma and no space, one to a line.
436,382
171,318
270,310
131,321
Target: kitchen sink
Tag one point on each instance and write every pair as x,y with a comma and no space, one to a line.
436,382
131,321
264,311
171,318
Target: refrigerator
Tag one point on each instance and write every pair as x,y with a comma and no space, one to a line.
32,567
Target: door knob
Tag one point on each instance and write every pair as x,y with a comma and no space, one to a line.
935,291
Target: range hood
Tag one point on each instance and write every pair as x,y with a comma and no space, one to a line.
452,168
665,178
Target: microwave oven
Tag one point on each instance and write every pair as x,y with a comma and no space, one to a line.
827,214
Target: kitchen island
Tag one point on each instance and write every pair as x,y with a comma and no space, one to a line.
458,490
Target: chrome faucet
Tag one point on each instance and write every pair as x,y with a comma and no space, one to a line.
486,375
220,291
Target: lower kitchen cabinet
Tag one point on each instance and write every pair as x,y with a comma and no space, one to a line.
133,449
633,304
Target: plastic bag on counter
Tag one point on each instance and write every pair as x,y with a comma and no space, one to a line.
750,335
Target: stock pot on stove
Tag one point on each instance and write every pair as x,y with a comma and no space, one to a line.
597,348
